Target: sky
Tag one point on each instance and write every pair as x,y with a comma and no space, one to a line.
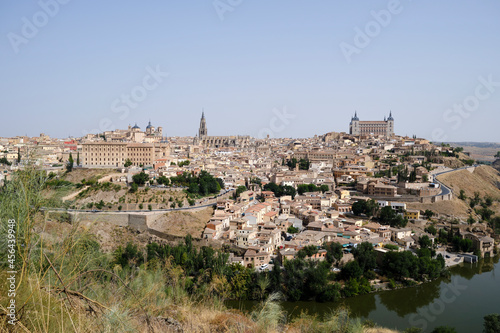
283,68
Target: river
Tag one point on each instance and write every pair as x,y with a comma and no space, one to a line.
461,301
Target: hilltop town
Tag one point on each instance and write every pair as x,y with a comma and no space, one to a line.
269,198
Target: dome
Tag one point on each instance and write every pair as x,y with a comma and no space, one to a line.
136,127
149,125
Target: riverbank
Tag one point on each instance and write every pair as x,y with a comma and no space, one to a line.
460,300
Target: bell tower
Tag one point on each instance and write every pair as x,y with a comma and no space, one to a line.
203,126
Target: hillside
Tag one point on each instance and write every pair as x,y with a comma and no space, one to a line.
180,223
456,208
484,180
78,174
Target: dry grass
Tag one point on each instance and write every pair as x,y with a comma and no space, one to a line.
484,180
77,175
183,223
455,207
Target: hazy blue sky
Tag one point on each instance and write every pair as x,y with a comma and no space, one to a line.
244,61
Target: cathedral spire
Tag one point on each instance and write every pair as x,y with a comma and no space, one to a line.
203,125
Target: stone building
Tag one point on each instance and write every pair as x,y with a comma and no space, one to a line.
218,141
377,128
133,134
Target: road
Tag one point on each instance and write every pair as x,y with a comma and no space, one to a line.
212,201
444,189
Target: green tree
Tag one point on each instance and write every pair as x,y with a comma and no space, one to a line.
494,223
163,180
365,255
466,245
304,164
334,252
140,178
133,188
485,213
324,188
78,158
492,323
19,155
289,190
4,160
428,214
497,155
128,163
69,165
431,229
292,230
351,270
389,216
425,242
359,207
292,164
240,189
128,256
462,195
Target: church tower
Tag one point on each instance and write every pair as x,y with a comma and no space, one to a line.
354,128
203,126
390,125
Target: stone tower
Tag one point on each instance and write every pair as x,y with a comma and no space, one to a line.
203,126
354,128
390,125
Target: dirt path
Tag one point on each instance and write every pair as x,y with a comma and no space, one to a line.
73,195
108,177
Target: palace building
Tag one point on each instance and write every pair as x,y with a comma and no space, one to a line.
377,128
141,148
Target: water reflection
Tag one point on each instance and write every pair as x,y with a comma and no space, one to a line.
396,308
468,271
408,300
359,306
